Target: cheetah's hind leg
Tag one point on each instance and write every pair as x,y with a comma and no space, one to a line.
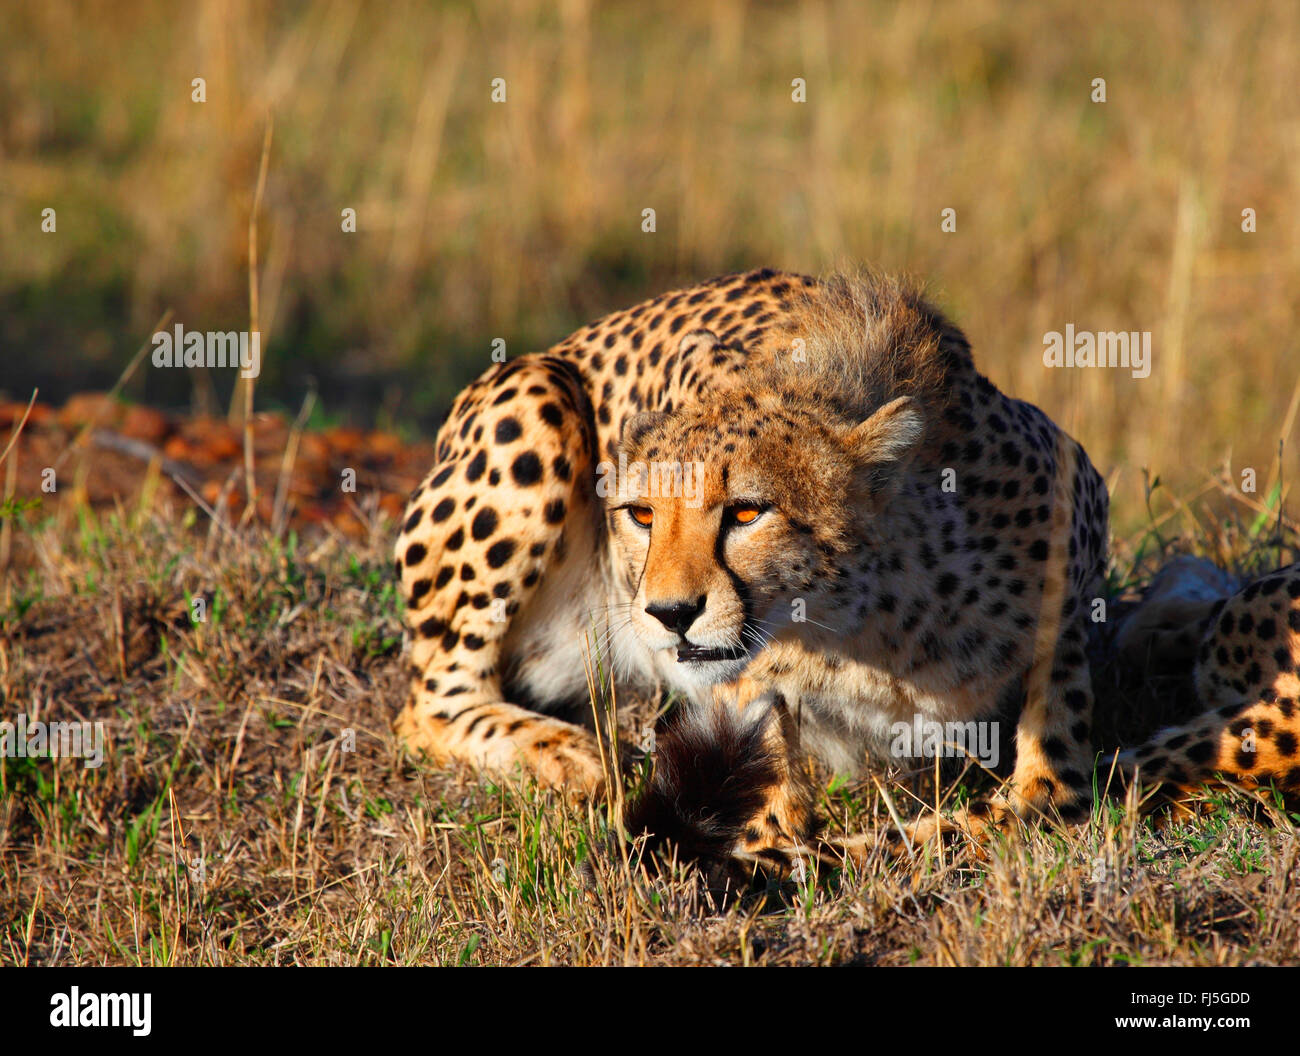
1248,672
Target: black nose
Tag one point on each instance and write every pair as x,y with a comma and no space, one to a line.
677,615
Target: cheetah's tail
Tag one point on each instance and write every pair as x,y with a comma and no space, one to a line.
713,773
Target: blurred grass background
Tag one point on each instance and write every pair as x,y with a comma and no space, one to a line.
522,220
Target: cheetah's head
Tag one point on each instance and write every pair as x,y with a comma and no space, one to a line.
733,523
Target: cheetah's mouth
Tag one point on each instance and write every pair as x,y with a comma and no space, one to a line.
688,653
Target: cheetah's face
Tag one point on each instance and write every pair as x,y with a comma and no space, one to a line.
730,530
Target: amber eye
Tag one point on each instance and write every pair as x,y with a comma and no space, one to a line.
745,512
643,515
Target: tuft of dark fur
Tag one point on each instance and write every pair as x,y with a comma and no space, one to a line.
869,339
713,771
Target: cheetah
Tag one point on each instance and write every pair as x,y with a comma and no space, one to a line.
797,504
1245,653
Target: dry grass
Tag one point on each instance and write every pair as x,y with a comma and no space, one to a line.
522,219
227,746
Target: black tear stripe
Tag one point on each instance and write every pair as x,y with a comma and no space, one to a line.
737,584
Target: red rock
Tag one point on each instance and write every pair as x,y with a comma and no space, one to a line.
384,444
313,449
12,413
213,440
343,439
179,448
87,408
144,423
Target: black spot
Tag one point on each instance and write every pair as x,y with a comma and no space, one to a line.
413,521
526,469
551,415
444,576
507,431
443,510
500,552
415,553
485,523
476,466
554,511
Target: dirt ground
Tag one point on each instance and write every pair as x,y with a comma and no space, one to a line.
253,806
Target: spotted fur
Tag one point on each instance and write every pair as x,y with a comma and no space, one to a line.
1246,673
920,543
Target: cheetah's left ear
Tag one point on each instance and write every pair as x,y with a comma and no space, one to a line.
638,425
884,442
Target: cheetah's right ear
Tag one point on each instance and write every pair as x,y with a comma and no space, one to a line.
883,443
638,425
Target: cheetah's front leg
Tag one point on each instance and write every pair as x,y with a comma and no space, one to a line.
1054,758
1051,781
508,504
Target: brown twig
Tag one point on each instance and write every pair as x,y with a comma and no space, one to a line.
248,383
13,437
288,461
